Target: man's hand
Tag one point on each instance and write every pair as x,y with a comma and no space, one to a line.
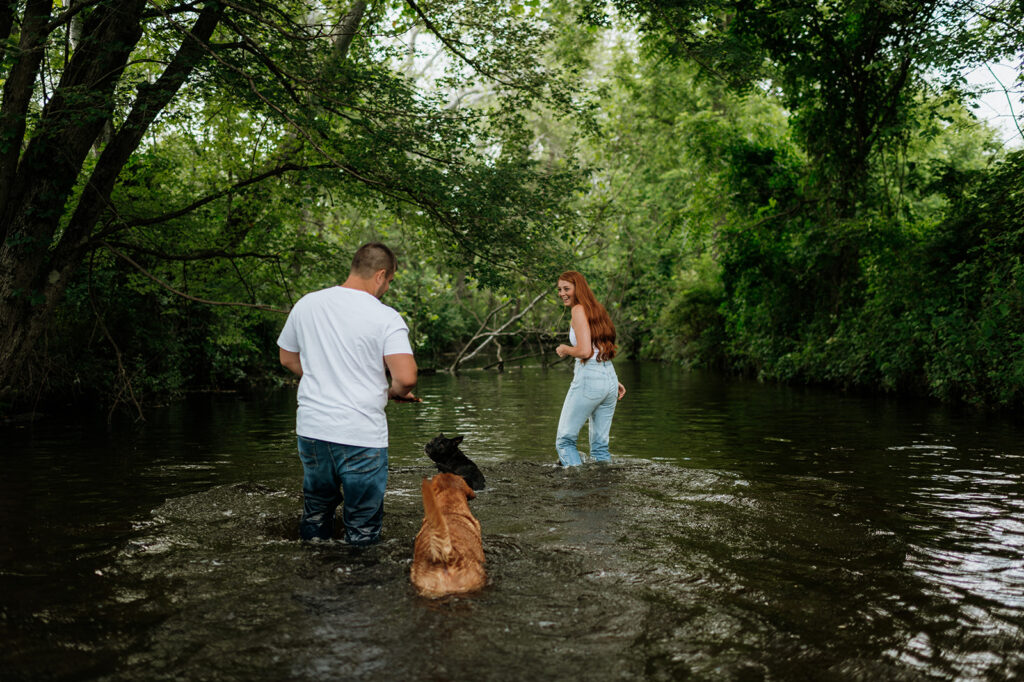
407,398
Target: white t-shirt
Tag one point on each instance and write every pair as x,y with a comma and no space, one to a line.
342,336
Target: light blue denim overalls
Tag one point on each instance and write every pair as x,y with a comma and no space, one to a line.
592,396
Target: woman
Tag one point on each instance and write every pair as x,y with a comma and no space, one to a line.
594,388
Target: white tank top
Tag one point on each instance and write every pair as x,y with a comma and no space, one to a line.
572,342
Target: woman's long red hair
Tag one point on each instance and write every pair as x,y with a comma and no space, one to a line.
602,331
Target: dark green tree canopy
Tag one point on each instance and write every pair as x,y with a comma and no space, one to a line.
105,101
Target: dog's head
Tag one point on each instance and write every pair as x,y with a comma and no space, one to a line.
442,449
453,482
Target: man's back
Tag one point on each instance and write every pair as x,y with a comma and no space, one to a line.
342,336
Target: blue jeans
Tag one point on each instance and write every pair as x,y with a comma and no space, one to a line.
333,473
592,396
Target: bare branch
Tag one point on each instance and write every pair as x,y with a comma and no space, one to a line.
126,382
535,354
1009,101
483,325
492,335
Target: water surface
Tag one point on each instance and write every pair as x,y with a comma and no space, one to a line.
742,532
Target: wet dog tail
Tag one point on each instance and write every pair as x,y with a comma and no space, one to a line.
439,548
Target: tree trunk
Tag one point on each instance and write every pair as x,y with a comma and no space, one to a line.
32,274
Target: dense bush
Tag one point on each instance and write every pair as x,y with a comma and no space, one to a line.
871,304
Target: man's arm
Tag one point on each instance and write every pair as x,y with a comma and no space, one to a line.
403,375
291,360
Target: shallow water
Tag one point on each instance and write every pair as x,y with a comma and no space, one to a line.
742,532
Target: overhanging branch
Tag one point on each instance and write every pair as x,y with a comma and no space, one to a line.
280,170
203,254
451,46
182,294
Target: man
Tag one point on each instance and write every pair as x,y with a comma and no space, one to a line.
338,341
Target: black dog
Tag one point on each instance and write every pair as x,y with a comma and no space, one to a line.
450,460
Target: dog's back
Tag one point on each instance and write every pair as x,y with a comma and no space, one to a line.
449,556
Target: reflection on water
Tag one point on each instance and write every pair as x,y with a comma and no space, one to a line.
742,532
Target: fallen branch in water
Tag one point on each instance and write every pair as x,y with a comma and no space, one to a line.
491,335
538,354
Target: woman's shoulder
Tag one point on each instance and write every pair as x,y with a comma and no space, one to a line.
579,315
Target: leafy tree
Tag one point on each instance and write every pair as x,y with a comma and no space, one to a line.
165,134
678,159
844,255
849,71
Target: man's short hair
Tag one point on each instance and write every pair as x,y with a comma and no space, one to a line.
372,257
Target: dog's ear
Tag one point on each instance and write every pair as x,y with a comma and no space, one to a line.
457,439
470,495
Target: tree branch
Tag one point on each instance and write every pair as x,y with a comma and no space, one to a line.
67,15
151,100
182,294
1009,101
252,47
483,325
280,170
177,9
258,14
204,254
17,96
122,372
535,354
451,45
491,335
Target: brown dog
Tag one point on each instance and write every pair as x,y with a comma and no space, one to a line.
449,555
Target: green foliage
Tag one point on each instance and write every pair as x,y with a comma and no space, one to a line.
797,192
436,306
690,329
979,320
849,72
237,152
935,311
847,234
680,161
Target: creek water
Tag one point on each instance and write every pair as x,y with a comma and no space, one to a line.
742,532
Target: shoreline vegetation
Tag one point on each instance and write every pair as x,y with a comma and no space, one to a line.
801,196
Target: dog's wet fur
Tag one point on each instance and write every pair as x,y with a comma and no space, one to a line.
448,557
450,460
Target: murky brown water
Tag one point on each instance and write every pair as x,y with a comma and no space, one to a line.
743,532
